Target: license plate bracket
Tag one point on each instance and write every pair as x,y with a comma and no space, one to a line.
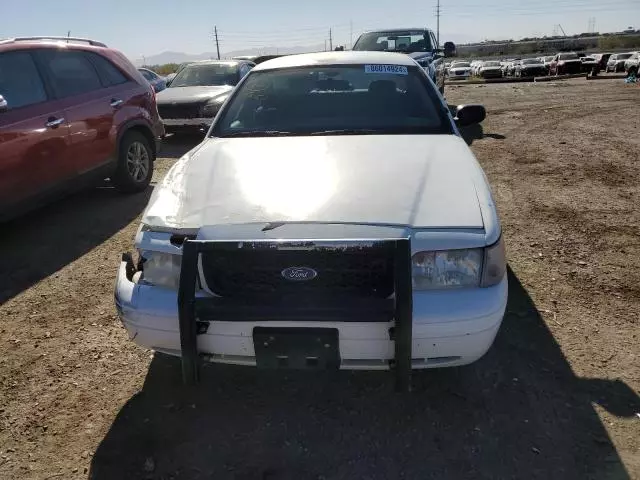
296,348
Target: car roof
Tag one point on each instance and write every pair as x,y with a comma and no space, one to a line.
336,58
390,30
10,44
217,62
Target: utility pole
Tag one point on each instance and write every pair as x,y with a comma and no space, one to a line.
68,35
330,41
144,61
215,32
438,23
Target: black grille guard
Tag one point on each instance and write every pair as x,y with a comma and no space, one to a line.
196,312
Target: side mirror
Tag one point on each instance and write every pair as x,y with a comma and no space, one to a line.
449,49
470,115
4,106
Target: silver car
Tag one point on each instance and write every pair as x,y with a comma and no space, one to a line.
333,217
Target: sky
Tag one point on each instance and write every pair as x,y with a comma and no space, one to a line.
144,27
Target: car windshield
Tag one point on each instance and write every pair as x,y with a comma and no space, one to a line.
568,56
623,56
530,61
396,41
206,74
491,64
333,100
548,59
460,65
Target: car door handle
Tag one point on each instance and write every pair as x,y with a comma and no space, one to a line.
115,103
54,122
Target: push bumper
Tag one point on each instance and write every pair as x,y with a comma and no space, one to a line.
449,328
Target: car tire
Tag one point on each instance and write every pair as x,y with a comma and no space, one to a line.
135,163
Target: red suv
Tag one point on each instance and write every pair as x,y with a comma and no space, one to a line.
72,112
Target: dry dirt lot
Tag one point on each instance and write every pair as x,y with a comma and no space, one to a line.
556,397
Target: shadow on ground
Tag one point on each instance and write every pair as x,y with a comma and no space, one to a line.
473,132
476,132
45,240
518,413
175,146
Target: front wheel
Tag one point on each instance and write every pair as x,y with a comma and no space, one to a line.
135,163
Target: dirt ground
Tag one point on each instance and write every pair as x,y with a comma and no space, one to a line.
556,397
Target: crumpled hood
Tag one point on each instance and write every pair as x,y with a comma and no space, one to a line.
409,180
191,94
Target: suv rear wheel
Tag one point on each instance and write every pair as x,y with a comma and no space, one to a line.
135,163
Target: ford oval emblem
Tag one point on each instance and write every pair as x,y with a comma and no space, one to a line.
299,274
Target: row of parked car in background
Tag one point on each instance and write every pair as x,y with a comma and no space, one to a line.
559,64
84,107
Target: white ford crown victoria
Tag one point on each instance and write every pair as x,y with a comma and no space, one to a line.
333,217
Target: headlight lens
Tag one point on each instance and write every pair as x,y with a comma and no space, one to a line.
475,267
161,269
447,268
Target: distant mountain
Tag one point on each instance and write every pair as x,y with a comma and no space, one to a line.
180,57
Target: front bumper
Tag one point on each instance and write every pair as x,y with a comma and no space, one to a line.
460,75
186,124
491,74
533,72
450,328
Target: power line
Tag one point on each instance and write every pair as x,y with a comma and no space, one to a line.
287,30
550,8
607,8
284,36
551,4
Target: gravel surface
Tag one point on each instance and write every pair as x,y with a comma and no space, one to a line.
556,397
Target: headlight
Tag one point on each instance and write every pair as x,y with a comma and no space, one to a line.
161,269
447,268
210,109
475,267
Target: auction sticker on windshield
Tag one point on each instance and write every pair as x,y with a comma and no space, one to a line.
395,69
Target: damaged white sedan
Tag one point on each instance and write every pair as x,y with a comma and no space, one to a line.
333,217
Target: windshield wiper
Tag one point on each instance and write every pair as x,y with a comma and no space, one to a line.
348,131
256,133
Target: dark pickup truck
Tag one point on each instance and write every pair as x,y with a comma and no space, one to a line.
419,43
